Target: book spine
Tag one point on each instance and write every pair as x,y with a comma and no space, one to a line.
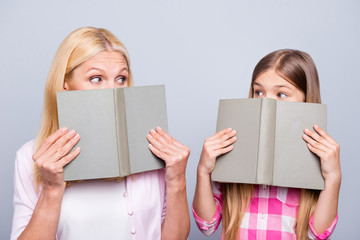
265,159
121,132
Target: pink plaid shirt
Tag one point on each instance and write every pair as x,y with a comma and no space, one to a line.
271,215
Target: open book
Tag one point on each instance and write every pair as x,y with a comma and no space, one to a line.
113,124
270,149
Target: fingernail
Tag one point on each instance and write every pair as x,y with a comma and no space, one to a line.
77,136
152,131
306,130
158,128
64,129
229,129
233,131
149,136
316,126
72,132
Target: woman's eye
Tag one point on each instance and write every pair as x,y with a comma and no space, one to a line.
121,80
282,95
95,79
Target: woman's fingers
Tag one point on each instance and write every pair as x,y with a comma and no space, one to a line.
49,141
158,153
159,143
164,142
166,147
68,158
63,145
55,157
165,136
64,151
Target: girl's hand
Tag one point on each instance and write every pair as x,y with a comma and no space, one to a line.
215,146
172,152
327,150
51,156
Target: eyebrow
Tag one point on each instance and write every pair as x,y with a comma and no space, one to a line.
102,70
276,86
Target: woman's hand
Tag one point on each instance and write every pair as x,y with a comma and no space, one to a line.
327,150
174,153
51,156
215,146
177,221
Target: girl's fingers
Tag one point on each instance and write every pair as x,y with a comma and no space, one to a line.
222,151
219,134
220,139
49,141
314,143
315,136
228,142
317,151
324,134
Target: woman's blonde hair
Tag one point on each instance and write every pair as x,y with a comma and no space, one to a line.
299,69
77,47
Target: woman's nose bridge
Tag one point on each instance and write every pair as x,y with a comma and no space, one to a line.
109,84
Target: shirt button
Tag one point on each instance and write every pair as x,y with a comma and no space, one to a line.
125,194
130,212
133,231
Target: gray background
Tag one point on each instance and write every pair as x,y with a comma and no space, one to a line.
202,51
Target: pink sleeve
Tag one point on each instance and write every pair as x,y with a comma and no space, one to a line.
204,226
325,235
25,195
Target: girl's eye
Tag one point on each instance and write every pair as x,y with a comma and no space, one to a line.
282,95
258,93
95,79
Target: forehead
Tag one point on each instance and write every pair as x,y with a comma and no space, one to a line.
105,57
271,79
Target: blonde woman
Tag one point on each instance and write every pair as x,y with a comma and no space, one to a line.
269,212
149,205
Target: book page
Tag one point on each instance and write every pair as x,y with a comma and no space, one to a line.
91,114
295,165
239,165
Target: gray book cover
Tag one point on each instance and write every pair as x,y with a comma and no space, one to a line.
270,149
113,124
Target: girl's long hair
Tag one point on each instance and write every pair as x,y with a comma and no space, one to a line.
299,69
77,47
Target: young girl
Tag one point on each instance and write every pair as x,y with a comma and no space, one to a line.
270,212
